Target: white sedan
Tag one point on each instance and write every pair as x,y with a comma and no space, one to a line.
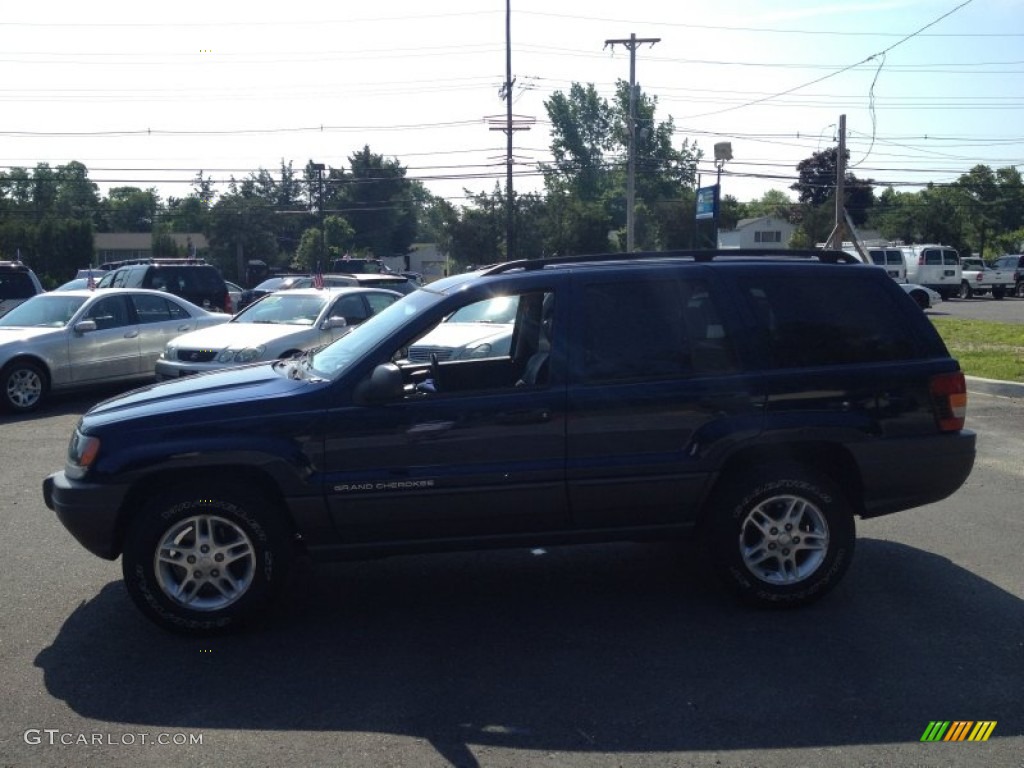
280,325
81,338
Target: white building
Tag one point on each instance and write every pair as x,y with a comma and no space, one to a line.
761,232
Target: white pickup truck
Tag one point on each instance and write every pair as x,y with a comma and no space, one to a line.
977,277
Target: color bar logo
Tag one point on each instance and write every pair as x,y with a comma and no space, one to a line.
958,730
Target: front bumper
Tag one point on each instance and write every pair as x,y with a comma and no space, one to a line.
88,510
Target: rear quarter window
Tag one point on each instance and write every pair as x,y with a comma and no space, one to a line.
814,322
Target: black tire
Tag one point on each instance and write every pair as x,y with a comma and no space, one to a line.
966,291
1019,289
763,561
218,588
24,386
922,299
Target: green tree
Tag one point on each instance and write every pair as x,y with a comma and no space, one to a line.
129,209
774,202
76,196
379,203
817,184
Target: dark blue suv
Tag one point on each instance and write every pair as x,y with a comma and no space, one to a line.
758,401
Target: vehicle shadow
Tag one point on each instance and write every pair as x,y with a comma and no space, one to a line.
617,648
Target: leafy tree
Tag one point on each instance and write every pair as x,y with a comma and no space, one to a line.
379,203
773,202
582,127
76,197
817,183
242,227
129,209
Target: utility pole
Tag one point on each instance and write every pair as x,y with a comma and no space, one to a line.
632,42
835,240
319,168
509,124
510,205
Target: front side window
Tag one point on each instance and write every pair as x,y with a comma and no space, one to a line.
109,312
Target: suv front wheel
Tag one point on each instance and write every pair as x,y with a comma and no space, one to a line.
781,535
201,563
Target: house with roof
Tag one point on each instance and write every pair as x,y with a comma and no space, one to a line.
759,232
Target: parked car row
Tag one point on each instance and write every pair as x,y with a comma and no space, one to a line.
81,338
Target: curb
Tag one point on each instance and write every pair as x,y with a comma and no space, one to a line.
994,387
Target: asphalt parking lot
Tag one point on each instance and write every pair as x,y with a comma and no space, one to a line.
610,655
1008,310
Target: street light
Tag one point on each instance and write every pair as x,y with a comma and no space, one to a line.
723,152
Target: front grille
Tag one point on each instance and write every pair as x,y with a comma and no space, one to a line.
196,355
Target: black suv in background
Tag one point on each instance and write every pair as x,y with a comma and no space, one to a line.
1014,262
194,281
758,401
17,283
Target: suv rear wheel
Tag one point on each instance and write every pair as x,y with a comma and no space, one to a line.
781,535
203,562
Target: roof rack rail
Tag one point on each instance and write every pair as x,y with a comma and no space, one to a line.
826,256
157,260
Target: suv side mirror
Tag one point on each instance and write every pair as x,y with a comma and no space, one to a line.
384,385
85,326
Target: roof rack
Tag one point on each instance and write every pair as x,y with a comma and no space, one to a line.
158,261
703,256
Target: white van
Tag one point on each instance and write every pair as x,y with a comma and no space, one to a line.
890,257
933,266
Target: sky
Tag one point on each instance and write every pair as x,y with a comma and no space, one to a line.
150,95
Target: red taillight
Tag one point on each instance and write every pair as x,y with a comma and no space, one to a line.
949,394
227,304
920,261
978,278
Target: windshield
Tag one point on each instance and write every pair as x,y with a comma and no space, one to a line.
335,358
43,311
283,309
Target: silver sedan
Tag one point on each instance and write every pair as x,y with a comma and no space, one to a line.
81,338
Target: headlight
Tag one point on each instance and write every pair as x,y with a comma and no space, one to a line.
170,352
226,356
82,453
248,354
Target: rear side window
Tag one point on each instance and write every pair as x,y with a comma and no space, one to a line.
16,285
648,330
812,322
155,309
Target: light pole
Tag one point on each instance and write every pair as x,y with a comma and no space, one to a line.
319,168
723,152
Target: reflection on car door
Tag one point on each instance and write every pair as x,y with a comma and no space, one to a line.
160,320
111,352
650,377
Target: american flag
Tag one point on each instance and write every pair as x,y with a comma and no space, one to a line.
318,278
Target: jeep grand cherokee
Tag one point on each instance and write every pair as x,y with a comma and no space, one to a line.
758,401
